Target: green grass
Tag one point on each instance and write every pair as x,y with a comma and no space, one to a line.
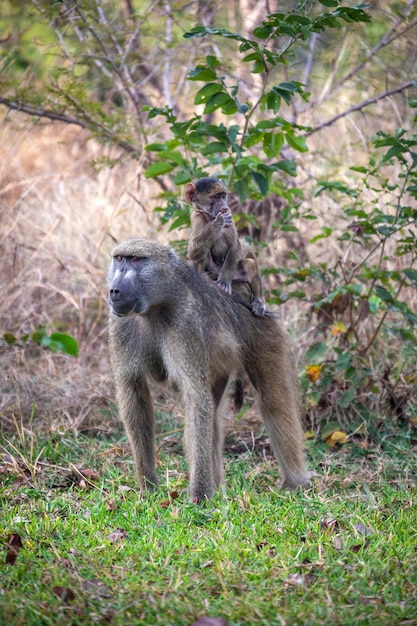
95,552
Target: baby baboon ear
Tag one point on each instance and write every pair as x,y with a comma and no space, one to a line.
190,192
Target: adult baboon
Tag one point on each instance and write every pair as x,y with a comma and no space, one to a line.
168,323
215,247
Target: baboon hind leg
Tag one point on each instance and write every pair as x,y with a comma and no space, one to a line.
218,391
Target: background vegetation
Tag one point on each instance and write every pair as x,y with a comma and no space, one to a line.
307,110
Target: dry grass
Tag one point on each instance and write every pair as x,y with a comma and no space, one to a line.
59,219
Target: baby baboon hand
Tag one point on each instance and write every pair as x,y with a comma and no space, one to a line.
226,287
224,218
258,307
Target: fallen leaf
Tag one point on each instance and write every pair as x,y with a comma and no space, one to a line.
338,436
64,593
89,473
330,524
116,535
95,588
360,546
363,530
14,543
338,542
296,579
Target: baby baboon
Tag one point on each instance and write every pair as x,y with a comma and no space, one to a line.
168,323
215,247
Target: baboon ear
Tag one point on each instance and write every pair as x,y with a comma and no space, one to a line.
190,192
173,259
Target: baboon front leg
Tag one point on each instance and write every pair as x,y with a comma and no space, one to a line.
276,384
199,437
136,412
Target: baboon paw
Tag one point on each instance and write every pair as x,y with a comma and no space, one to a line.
258,308
295,482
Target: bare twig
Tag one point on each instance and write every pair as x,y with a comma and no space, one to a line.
362,105
385,40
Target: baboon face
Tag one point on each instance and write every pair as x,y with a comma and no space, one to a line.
124,292
209,196
135,281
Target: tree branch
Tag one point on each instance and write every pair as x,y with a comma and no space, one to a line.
91,125
362,105
41,112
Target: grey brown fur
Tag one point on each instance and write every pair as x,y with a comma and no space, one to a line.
167,323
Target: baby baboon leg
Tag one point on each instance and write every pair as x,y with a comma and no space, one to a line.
250,272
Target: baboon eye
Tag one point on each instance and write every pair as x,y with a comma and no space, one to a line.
118,257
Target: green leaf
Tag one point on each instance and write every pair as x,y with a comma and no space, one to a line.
206,92
217,101
212,61
262,32
411,274
297,142
241,188
315,351
155,147
65,343
261,182
346,398
384,294
9,338
258,67
272,144
288,166
159,168
214,147
202,73
343,361
325,232
329,3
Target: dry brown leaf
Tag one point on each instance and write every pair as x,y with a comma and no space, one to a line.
14,543
363,530
116,535
64,593
338,542
329,525
296,579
